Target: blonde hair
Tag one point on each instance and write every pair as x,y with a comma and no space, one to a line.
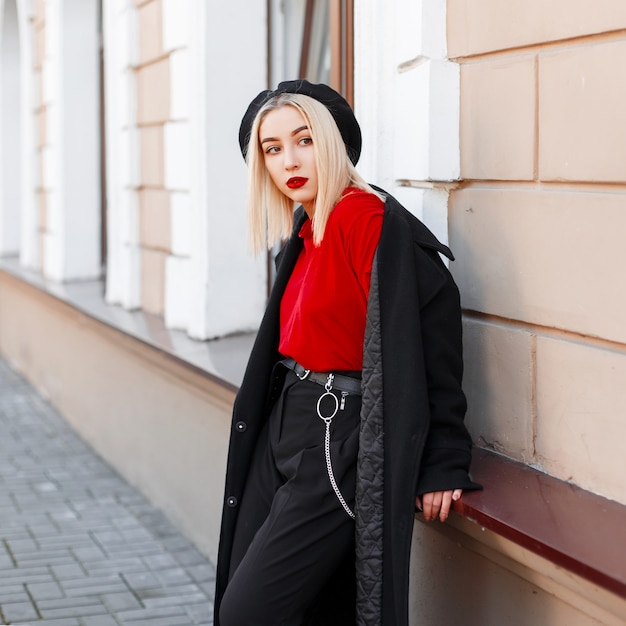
270,212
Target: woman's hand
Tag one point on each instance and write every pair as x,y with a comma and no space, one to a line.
437,503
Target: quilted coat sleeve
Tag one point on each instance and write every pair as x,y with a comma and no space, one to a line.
447,452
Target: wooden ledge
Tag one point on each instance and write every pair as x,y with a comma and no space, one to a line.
573,528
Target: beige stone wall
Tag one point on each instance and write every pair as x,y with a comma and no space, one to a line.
40,114
153,111
538,226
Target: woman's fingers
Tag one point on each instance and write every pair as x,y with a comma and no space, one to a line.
437,503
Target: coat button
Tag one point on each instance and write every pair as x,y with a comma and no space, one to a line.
231,501
241,427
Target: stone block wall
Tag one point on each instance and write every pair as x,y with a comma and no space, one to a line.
537,225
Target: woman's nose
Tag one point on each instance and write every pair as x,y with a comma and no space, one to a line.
291,160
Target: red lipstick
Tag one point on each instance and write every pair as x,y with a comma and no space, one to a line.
296,182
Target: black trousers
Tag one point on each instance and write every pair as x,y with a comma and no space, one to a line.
293,555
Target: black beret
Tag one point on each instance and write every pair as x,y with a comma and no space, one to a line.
340,110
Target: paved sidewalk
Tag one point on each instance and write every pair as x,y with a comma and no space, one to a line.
79,546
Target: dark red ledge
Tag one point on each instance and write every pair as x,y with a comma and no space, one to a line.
575,529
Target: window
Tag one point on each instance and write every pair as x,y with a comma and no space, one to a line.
313,39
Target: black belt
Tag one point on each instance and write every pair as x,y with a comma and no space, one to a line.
340,382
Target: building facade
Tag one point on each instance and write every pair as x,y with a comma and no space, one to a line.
499,124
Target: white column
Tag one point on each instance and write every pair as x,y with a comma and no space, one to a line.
72,164
18,209
11,112
374,88
123,280
30,243
178,23
407,100
213,286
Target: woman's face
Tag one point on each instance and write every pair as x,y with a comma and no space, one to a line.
289,155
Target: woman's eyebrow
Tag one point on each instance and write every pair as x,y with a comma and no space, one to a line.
299,130
293,134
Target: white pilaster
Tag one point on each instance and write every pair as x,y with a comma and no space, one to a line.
407,101
180,87
178,156
123,284
426,132
213,286
12,109
177,23
72,246
374,89
177,26
30,244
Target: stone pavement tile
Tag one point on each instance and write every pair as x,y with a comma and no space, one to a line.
67,572
122,601
19,611
5,561
202,612
89,553
160,561
145,615
142,580
115,565
22,546
89,589
99,620
188,557
96,608
209,589
14,597
173,576
201,573
9,589
44,591
173,596
75,539
131,549
24,575
44,530
50,622
44,558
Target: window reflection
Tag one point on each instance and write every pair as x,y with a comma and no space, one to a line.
312,39
315,55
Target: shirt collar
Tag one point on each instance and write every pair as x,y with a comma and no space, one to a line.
306,232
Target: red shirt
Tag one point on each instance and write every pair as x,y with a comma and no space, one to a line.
322,312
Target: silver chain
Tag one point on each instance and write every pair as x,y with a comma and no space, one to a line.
327,420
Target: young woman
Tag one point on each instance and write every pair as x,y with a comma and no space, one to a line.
351,411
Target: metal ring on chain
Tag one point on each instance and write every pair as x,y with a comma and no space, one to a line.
327,420
319,402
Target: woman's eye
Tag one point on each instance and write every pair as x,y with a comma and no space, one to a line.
306,141
272,150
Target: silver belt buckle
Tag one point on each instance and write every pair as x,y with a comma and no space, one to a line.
304,374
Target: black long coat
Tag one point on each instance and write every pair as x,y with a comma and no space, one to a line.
413,437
